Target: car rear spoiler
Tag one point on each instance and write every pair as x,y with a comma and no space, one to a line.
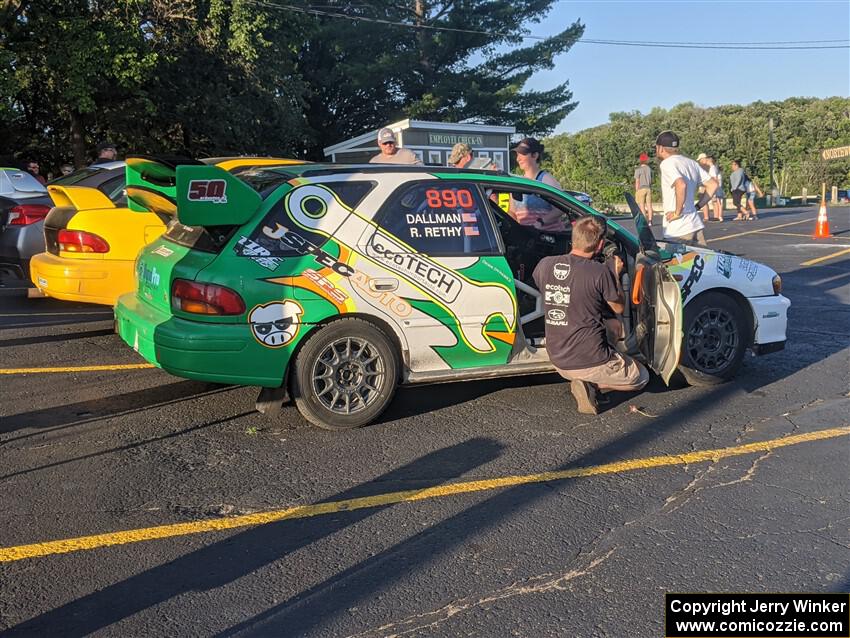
198,194
79,197
152,182
211,196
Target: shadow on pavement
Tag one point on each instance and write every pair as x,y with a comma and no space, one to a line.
69,336
129,446
228,560
60,416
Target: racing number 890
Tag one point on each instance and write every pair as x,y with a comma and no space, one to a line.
449,199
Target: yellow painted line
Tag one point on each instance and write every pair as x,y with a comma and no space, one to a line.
10,554
761,230
105,368
817,260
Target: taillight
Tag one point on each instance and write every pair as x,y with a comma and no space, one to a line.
79,241
205,299
25,214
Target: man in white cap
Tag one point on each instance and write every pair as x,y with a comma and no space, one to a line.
680,177
391,153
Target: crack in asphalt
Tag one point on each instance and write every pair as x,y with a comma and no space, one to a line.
539,584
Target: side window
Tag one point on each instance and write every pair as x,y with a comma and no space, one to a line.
440,218
277,236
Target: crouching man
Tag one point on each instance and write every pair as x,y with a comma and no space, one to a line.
578,294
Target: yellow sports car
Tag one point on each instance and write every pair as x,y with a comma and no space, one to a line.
92,240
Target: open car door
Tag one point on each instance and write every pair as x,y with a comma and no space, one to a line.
657,301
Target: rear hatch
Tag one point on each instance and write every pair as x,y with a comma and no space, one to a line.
182,251
67,202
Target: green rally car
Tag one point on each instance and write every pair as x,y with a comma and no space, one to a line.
334,284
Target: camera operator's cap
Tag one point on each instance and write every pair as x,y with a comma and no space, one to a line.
528,145
668,139
701,157
459,151
386,135
643,157
105,145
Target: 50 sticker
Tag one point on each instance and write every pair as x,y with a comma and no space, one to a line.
207,190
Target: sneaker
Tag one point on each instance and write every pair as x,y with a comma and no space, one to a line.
585,395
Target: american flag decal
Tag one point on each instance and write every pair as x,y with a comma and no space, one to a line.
470,218
470,231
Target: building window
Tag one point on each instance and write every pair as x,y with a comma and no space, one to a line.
435,158
499,160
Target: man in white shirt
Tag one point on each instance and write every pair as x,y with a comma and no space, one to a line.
680,178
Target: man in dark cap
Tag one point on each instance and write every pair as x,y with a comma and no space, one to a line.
680,178
106,152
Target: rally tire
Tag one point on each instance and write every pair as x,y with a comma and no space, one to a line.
716,336
345,375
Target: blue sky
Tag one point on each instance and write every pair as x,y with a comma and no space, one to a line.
609,78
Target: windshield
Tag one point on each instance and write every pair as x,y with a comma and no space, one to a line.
77,176
262,180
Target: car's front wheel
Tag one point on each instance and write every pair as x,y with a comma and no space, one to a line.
345,375
715,340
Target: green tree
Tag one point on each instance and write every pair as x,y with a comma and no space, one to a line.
602,159
362,74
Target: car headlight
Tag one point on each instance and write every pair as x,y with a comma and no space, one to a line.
777,285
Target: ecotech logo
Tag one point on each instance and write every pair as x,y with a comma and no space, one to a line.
439,281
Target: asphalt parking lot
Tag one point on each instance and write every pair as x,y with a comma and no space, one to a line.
136,503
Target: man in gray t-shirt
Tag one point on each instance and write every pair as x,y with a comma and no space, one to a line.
738,186
391,153
643,187
578,292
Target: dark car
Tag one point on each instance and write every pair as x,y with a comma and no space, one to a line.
584,198
24,203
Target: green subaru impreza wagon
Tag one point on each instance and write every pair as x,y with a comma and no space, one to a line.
333,284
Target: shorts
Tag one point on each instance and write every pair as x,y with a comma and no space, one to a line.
751,197
718,195
736,197
696,237
620,372
643,196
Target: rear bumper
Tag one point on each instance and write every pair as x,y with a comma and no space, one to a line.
770,318
18,244
98,281
218,353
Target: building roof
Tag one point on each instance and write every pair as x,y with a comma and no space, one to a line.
402,125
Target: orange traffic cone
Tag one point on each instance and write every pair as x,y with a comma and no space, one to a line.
822,228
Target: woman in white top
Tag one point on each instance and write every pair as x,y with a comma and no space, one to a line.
533,210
